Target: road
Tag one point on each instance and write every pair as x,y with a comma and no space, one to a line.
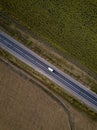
63,80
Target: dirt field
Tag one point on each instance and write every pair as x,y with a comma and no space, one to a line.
25,106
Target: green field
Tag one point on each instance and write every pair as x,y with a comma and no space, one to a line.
70,25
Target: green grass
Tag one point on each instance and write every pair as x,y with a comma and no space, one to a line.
0,7
70,25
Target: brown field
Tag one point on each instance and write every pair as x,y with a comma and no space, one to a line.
25,106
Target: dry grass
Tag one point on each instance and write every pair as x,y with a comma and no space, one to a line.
82,121
24,106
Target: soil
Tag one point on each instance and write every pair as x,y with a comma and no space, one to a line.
25,106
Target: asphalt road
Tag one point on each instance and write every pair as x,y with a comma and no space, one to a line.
33,60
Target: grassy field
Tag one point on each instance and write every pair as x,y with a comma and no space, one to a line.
70,25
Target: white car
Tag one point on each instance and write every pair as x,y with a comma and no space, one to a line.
50,69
